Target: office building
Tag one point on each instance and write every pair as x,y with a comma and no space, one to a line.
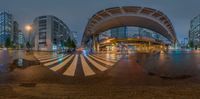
194,32
6,27
50,33
20,40
15,34
120,32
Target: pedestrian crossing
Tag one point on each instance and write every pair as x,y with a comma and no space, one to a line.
55,61
71,69
78,64
98,66
87,70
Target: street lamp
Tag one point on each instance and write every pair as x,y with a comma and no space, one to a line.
28,28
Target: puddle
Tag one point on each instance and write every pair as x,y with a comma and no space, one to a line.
175,77
3,68
22,63
172,65
168,76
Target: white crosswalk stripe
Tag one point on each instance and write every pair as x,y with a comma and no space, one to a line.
57,67
56,61
107,59
86,68
51,59
102,61
98,66
68,65
72,68
110,56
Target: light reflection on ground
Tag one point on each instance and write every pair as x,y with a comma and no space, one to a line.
173,63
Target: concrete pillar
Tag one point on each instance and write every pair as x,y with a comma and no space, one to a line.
93,43
167,48
97,47
149,50
97,44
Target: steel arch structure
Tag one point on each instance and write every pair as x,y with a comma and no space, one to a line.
129,16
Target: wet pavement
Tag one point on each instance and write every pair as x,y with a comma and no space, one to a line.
174,75
175,64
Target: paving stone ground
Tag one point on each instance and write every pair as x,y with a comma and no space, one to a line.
126,80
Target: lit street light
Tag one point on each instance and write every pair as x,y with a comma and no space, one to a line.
28,28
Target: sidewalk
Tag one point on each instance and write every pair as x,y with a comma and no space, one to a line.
61,91
126,80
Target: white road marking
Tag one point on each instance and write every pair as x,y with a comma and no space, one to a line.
72,68
111,56
57,67
103,58
51,59
86,68
102,61
56,61
59,61
107,57
98,66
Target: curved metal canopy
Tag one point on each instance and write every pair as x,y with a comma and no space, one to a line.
130,16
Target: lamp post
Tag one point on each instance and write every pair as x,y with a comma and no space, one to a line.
28,28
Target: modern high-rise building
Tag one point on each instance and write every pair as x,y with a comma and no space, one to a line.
120,32
74,36
143,32
132,32
16,31
20,38
194,32
6,27
50,33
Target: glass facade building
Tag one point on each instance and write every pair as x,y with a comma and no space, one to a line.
6,26
132,32
119,32
194,33
16,32
20,40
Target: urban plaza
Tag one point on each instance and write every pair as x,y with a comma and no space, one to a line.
99,49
